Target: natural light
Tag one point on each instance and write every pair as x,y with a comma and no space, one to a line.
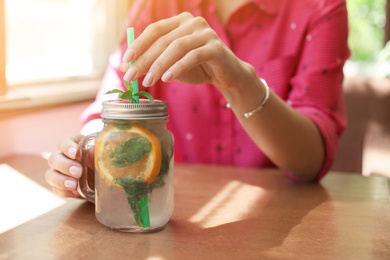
58,39
29,200
216,211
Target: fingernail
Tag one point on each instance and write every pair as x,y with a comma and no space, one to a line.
130,74
75,170
128,56
70,184
72,152
124,66
148,80
167,76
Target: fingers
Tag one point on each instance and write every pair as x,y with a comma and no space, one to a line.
180,56
169,48
64,161
64,168
61,163
158,35
151,34
190,60
65,193
159,63
62,184
69,146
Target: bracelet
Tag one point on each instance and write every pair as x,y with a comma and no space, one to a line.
262,104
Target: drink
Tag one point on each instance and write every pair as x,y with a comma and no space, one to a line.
111,209
133,167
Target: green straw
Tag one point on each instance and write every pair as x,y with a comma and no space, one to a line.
143,202
134,83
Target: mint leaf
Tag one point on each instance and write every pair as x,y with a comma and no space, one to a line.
129,95
131,151
159,181
137,197
137,193
128,85
115,91
145,94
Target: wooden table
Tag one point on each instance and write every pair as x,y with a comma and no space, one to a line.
220,213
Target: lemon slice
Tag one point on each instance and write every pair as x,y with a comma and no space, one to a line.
111,140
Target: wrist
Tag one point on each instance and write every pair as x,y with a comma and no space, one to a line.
263,101
249,96
261,104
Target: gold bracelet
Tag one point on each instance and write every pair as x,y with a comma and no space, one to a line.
262,104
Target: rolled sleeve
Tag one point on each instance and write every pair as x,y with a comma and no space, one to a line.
317,85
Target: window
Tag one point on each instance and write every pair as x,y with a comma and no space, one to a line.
56,43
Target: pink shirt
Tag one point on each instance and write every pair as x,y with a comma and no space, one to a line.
299,47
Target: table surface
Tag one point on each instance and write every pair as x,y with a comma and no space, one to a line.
220,213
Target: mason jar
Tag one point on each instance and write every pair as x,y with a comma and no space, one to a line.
133,166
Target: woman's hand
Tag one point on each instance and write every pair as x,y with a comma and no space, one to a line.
187,49
182,48
65,170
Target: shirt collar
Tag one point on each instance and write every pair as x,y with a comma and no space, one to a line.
268,6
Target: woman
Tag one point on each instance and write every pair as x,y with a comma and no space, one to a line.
213,61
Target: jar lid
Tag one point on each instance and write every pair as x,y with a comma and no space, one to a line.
123,109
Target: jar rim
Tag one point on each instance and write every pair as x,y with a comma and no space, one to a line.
123,109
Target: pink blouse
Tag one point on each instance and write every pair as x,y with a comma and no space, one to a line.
299,47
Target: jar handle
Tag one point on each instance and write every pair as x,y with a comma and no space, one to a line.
86,183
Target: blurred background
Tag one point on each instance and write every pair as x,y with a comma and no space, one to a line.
367,23
51,39
368,38
53,54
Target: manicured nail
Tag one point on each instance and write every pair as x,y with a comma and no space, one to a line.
75,170
168,76
72,152
128,56
124,66
70,184
148,80
130,74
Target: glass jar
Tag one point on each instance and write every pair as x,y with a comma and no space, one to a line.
133,166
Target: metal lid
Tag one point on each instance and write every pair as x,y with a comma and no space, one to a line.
123,109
